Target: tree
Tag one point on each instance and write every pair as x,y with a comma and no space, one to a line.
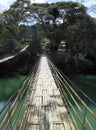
10,24
55,17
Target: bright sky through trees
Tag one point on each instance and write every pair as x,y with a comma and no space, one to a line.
5,4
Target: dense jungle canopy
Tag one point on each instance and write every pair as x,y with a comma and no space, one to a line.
30,24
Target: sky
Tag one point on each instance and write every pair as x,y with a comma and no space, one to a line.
5,4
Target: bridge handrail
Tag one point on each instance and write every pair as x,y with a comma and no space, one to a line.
66,89
17,90
61,79
77,88
18,95
8,102
70,82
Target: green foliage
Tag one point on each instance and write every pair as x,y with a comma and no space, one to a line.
14,36
67,21
44,40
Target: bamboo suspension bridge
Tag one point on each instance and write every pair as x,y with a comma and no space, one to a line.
48,100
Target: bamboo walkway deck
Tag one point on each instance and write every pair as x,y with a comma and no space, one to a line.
45,109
